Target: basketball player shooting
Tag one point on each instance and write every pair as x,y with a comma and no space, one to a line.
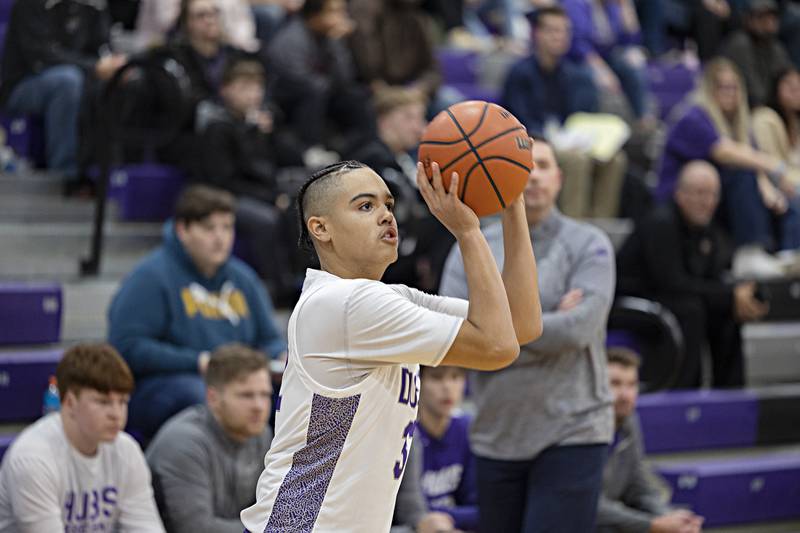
348,399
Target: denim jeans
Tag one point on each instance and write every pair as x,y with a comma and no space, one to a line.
157,398
55,93
555,492
749,220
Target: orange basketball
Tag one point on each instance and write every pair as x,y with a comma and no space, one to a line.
488,148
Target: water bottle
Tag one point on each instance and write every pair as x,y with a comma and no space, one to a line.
51,402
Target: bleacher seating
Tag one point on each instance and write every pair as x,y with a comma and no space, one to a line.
755,484
145,191
24,377
30,312
693,420
25,135
738,491
669,83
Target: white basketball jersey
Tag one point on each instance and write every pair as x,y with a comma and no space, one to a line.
348,403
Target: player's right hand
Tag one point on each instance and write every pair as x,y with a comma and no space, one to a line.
445,205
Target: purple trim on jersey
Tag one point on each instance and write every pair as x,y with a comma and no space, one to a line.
303,488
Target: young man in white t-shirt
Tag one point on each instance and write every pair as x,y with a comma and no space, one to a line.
350,390
75,471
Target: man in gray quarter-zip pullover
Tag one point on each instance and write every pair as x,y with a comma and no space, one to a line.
206,459
543,424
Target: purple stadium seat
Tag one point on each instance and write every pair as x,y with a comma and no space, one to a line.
458,66
695,420
473,91
737,491
23,379
25,135
670,83
30,313
5,10
5,442
145,191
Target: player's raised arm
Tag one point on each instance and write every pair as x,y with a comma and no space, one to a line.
487,339
519,274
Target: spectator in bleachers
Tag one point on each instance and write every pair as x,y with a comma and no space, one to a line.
790,29
546,88
632,500
411,513
269,15
53,51
776,126
393,44
606,35
77,470
206,460
157,19
448,472
199,46
715,127
315,78
678,257
183,300
401,122
245,151
542,426
756,50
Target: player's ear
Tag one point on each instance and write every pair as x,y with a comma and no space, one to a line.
318,229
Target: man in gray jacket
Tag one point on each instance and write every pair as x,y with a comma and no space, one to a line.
206,459
632,500
542,426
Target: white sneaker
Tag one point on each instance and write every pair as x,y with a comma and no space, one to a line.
751,262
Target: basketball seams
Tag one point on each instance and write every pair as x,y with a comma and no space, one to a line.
478,157
483,143
480,121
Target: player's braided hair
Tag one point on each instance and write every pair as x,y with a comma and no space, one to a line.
331,171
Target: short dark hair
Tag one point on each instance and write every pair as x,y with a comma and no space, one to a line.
247,69
324,174
313,7
622,356
553,11
232,362
198,202
95,366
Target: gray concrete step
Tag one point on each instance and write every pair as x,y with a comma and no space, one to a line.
52,250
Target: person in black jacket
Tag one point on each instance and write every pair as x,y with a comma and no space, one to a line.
198,44
315,78
53,49
678,257
245,152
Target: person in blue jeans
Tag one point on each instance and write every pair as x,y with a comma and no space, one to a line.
542,425
606,36
52,51
185,299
